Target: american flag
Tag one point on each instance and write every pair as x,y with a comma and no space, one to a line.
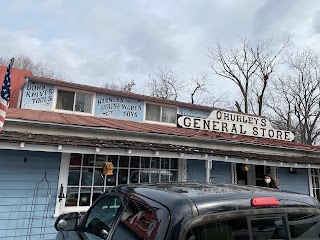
5,94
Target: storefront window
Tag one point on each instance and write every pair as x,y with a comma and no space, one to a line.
86,181
315,176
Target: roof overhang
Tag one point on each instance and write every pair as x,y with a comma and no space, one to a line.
52,137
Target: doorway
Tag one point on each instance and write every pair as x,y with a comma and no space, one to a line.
248,174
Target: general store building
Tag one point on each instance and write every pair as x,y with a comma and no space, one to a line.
58,135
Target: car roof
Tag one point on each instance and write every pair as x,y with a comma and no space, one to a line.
210,197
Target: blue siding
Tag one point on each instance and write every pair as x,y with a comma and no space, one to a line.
294,182
221,172
21,206
196,171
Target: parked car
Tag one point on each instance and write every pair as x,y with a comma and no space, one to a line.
191,211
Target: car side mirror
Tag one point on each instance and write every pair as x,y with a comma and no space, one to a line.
67,221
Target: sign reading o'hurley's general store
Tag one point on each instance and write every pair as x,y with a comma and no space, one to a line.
234,123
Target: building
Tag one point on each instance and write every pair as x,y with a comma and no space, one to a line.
58,136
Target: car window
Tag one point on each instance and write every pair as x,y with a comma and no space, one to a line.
304,227
268,228
259,228
102,216
223,230
138,221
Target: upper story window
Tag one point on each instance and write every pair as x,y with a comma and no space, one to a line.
160,113
74,101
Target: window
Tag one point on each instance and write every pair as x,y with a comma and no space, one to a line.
102,216
315,175
301,226
222,230
86,181
160,113
304,227
74,101
138,221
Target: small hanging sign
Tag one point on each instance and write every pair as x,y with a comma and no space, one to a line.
108,168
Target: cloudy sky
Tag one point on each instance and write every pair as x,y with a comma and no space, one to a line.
95,42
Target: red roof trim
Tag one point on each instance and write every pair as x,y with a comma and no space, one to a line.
89,121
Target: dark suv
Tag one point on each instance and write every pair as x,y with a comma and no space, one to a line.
194,211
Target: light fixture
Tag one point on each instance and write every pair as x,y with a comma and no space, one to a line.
60,147
265,162
247,160
226,157
61,194
22,145
157,153
206,155
97,149
129,151
181,154
281,163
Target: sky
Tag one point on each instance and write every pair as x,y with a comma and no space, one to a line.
97,42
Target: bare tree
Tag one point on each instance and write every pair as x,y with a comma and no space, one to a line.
40,69
249,67
197,85
124,86
299,92
163,83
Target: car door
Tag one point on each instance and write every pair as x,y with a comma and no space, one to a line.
99,220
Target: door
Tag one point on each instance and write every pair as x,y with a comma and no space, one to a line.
251,174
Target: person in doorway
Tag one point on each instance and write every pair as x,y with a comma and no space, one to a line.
268,181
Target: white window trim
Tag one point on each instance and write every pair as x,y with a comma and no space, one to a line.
159,122
63,179
310,183
55,98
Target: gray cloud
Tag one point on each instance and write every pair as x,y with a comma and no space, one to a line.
98,42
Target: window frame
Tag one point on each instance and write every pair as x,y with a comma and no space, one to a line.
315,185
74,101
161,106
65,167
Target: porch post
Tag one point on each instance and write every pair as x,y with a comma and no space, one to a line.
208,170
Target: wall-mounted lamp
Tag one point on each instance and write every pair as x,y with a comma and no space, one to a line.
181,154
157,153
22,145
129,151
97,149
61,194
59,147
